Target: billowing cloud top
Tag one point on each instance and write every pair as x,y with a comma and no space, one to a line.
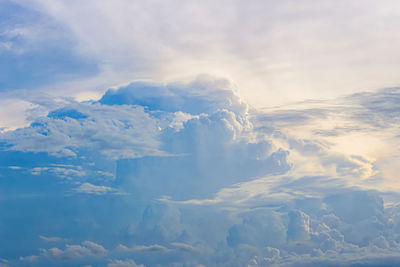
187,174
113,152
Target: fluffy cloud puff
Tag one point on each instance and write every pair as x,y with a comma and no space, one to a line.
116,132
204,95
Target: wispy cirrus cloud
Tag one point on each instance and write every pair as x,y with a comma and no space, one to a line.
112,44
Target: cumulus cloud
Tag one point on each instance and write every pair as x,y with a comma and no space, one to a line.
63,135
206,94
187,173
88,188
199,125
299,226
62,171
75,252
51,239
123,263
260,229
185,247
84,253
144,249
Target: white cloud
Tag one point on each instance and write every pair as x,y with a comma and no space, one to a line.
259,228
88,188
123,263
65,172
51,239
17,108
30,259
108,128
185,247
299,226
202,171
75,252
226,185
149,249
276,51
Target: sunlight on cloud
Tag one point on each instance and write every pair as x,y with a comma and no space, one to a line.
277,52
114,151
188,172
13,113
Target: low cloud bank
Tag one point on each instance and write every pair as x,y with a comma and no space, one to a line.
187,174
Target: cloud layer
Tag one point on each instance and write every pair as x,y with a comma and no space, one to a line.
276,51
187,174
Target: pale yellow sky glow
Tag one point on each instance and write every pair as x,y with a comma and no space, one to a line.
338,132
275,51
219,133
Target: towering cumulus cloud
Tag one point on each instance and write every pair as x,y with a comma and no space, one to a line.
187,174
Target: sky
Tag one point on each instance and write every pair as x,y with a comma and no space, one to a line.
199,133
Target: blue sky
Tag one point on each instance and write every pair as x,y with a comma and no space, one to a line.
196,133
34,52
